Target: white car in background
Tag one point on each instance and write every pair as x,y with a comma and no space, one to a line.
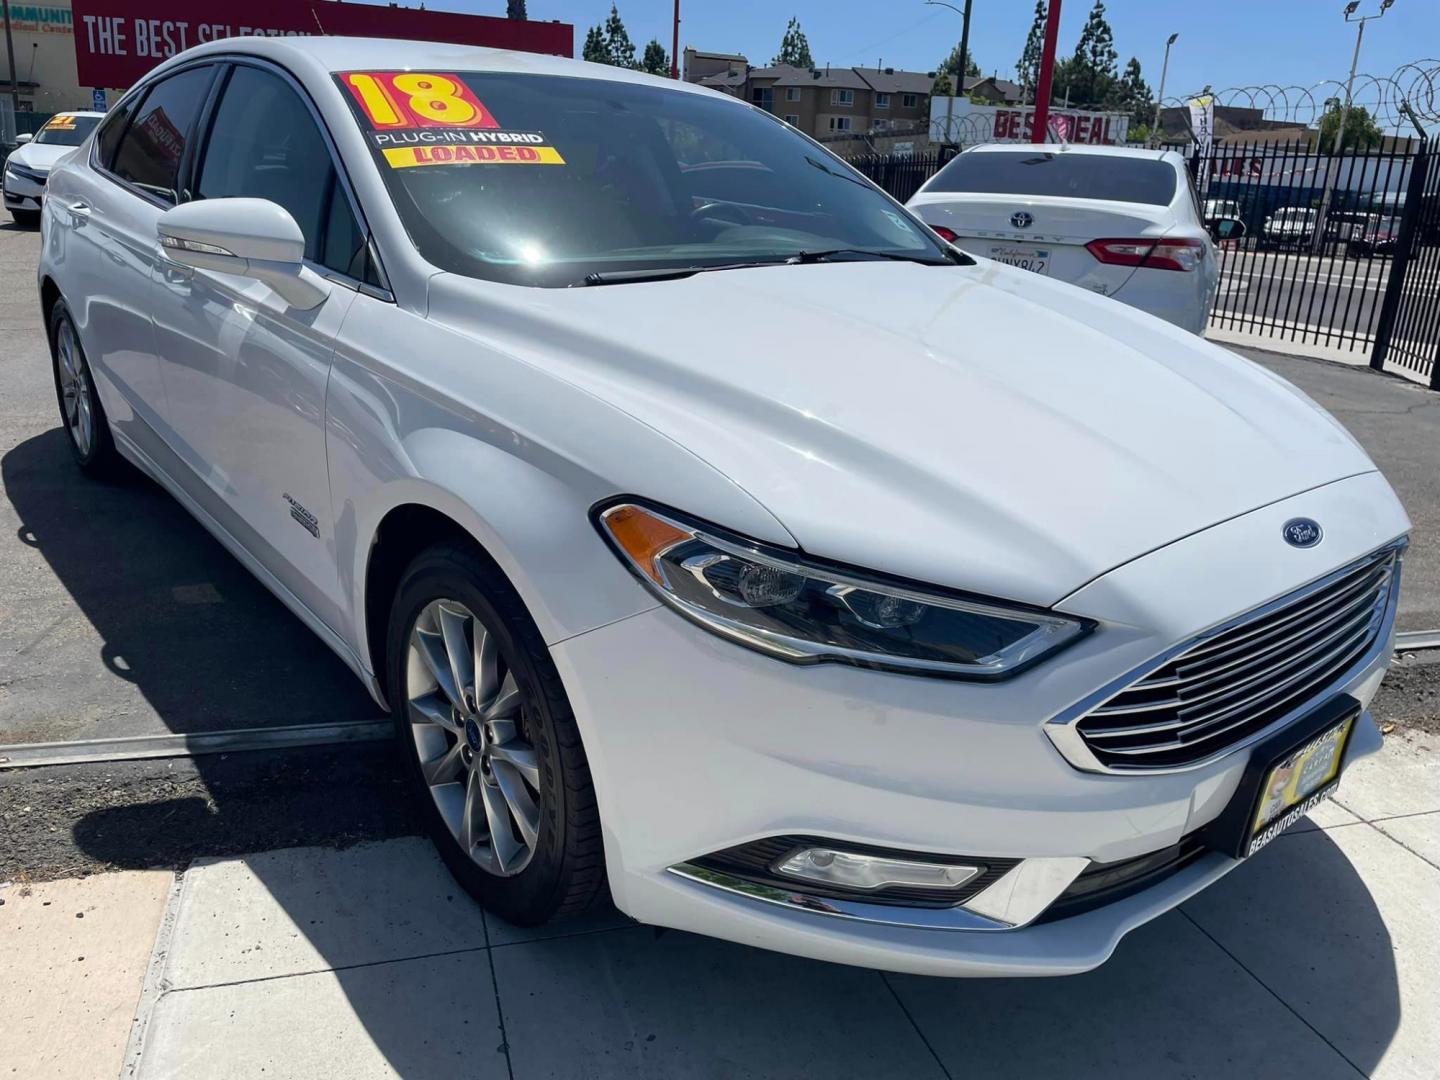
710,528
28,166
1120,222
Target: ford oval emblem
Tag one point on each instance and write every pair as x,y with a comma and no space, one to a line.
1021,220
1302,532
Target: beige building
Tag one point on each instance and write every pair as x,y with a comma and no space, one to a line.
43,35
831,103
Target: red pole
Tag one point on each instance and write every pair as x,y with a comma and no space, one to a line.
1041,131
675,45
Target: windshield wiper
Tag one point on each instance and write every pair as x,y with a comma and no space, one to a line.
669,273
802,257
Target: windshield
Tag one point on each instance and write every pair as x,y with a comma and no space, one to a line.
1066,174
65,130
544,180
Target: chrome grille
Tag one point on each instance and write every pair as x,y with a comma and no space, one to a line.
1240,680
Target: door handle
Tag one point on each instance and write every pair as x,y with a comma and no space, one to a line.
79,212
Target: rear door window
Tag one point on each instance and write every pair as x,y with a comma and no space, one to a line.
1057,173
152,147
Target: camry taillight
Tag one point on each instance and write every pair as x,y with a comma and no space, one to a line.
948,235
1155,254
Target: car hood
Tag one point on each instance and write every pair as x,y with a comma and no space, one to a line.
41,157
976,427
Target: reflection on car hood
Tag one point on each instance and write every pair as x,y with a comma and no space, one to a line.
39,158
977,427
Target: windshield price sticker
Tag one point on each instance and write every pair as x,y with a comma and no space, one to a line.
429,119
60,123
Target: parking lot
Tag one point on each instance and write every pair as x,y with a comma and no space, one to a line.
310,933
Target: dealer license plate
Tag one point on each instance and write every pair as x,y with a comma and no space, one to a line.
1036,260
1298,781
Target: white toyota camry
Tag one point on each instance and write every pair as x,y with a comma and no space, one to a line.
1120,221
710,528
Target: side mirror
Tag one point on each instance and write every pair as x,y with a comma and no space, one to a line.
1227,228
23,138
253,238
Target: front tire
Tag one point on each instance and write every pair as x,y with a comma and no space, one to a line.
80,409
26,219
490,744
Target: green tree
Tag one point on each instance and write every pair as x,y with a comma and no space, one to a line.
1028,69
1132,94
794,48
951,65
1092,72
1361,131
594,50
656,61
515,9
942,86
610,44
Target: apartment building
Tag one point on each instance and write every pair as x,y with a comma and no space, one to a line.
831,102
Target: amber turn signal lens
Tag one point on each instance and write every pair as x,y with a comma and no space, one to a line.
642,536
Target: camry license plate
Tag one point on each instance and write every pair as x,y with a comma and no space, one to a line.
1036,260
1295,783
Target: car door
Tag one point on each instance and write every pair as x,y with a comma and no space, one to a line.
245,373
107,216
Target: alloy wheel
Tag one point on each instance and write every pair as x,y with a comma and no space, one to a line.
467,715
75,391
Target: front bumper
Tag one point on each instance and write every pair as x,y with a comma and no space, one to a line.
704,745
21,192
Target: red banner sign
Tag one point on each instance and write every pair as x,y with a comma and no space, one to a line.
118,41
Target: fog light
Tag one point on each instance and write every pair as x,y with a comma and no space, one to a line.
852,870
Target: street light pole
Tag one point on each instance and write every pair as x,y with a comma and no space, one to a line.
1160,98
964,39
1331,167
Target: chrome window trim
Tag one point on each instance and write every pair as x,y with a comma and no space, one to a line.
1013,901
1062,728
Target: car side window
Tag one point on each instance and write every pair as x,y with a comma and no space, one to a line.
152,147
111,128
264,144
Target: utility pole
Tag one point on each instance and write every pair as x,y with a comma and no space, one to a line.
675,45
1041,130
1160,98
10,55
1332,166
964,40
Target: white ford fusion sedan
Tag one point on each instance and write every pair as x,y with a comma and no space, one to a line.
711,529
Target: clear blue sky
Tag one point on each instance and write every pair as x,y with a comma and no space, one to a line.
1222,42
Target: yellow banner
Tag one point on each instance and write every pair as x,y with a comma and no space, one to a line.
407,157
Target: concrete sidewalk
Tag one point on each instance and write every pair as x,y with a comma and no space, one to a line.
1320,958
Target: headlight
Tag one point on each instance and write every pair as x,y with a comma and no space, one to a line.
806,612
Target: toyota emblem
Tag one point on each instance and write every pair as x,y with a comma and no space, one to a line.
1021,219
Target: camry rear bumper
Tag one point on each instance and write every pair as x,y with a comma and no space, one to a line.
700,747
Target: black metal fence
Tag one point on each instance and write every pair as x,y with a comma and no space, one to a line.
1341,253
1322,235
902,174
1408,334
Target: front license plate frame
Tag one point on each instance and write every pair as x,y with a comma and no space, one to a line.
1271,796
1023,258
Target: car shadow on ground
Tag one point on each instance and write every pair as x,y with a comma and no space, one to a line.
1174,1001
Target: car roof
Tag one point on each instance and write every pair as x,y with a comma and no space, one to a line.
1088,149
331,54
